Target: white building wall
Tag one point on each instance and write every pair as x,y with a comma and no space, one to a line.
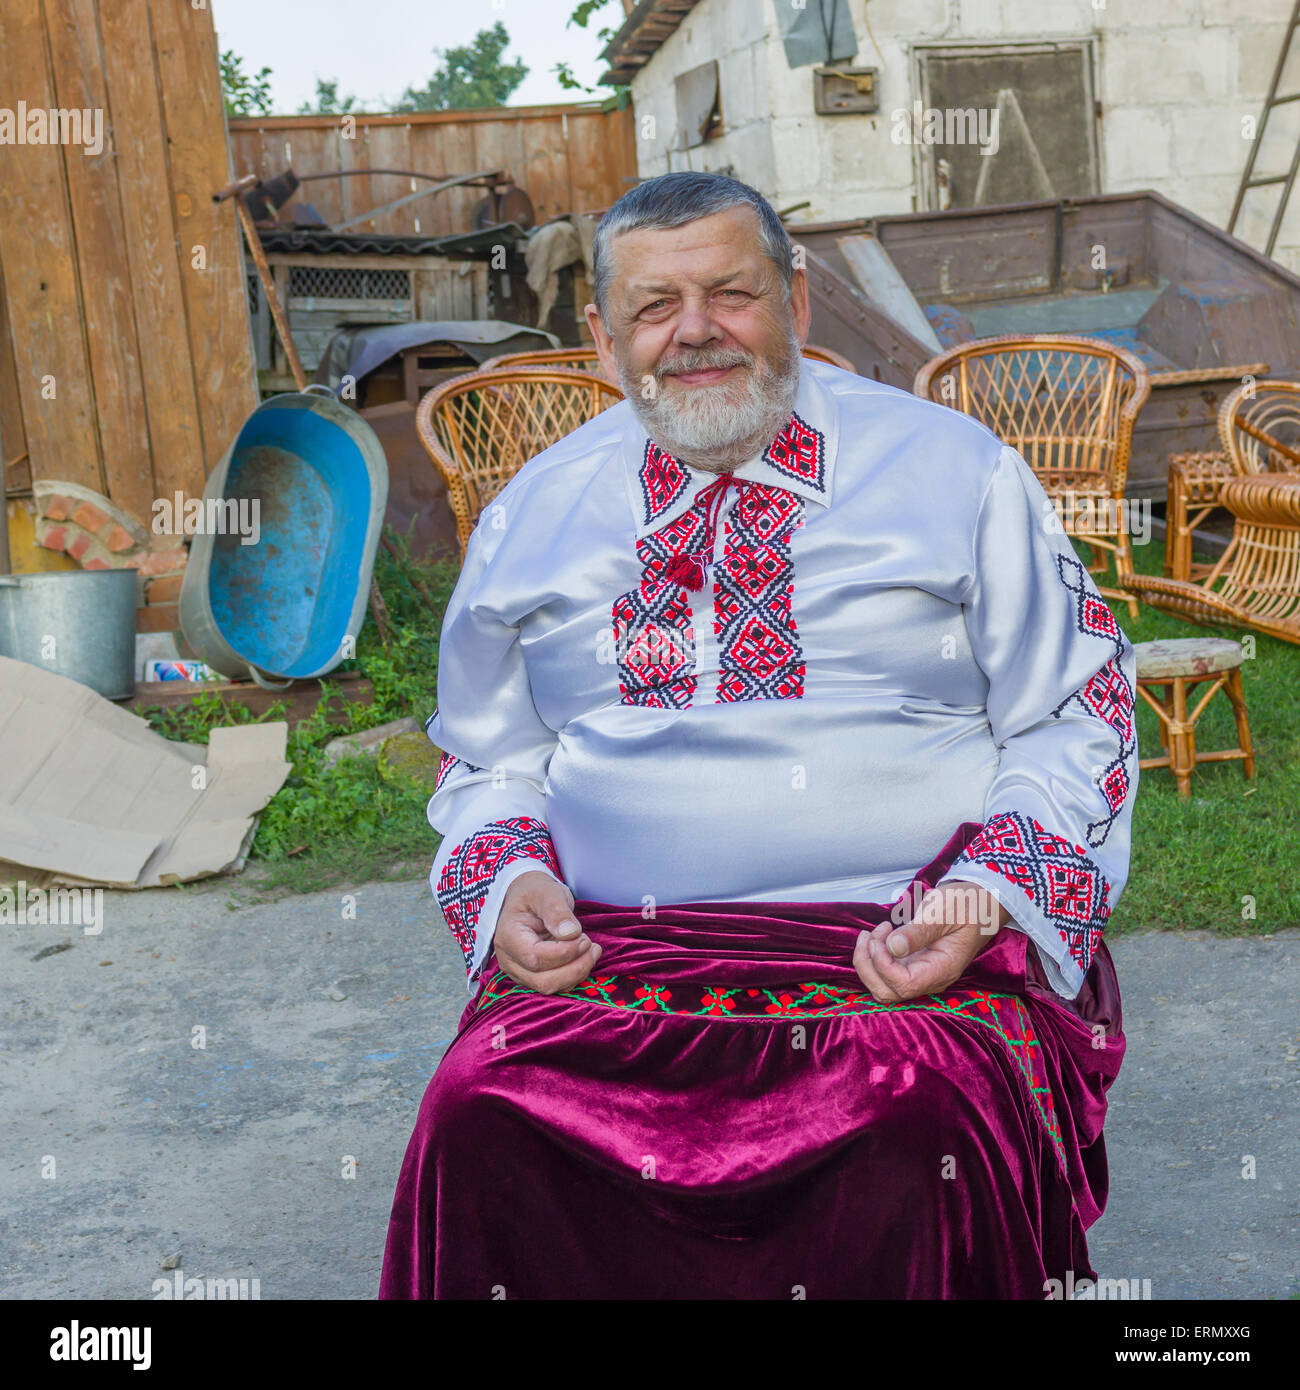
1178,81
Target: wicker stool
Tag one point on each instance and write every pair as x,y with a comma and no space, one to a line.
1174,667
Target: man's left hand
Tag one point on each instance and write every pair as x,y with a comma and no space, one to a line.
931,951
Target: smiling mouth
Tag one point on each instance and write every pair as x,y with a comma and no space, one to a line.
705,376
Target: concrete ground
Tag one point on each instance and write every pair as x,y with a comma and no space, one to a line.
321,1030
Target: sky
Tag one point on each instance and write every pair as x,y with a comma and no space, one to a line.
376,48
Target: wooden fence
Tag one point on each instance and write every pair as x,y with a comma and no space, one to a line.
125,351
571,158
125,357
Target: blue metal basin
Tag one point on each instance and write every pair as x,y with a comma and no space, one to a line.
278,586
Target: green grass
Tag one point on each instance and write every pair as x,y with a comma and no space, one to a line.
1194,862
354,822
1197,862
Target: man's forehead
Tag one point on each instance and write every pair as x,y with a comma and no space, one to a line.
724,244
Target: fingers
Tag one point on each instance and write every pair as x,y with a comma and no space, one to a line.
522,939
558,980
865,962
553,903
928,924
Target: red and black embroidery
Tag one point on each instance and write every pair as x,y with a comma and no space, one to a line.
467,875
1107,696
1056,875
799,451
447,765
654,637
663,480
759,654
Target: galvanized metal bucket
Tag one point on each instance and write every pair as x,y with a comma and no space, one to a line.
76,623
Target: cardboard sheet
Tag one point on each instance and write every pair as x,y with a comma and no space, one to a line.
89,794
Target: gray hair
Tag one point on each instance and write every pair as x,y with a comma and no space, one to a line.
672,200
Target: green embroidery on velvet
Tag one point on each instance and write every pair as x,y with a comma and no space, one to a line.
766,1005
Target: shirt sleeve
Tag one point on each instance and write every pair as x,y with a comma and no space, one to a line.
488,800
1054,848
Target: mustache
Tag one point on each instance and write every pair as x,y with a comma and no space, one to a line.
703,360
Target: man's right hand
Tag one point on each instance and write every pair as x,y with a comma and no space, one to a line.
538,941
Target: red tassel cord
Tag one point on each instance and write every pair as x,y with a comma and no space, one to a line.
689,569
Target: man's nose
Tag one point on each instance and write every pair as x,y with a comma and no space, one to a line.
696,327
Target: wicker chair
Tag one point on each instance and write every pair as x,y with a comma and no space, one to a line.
481,428
584,359
821,354
1256,581
579,359
1068,404
1259,432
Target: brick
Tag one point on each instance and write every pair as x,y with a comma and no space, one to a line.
158,561
119,540
1138,145
1195,66
158,617
95,563
54,537
90,516
1030,17
78,546
1258,46
165,589
979,17
58,507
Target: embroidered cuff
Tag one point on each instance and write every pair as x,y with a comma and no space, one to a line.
1063,903
474,873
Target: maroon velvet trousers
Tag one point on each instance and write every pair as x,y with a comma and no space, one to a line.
723,1111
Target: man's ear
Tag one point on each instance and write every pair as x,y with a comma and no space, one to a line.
604,343
800,305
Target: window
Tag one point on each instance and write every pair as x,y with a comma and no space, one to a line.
1004,125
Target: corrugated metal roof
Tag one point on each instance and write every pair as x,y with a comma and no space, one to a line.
324,242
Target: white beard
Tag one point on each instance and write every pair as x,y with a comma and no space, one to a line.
717,428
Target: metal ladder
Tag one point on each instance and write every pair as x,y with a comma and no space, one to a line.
1287,180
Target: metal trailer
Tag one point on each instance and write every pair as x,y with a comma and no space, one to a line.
1202,309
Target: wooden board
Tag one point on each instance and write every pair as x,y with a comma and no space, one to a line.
140,149
103,268
122,281
209,243
353,153
13,438
390,148
302,697
42,298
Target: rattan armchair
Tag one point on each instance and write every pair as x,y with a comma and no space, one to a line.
480,429
1068,405
584,359
1256,581
821,354
579,359
1259,432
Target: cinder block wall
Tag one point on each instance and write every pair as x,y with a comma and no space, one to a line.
1178,81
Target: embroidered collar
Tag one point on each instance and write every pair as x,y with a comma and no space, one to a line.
801,459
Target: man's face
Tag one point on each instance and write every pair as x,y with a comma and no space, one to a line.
701,336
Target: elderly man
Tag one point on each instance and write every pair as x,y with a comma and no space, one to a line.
789,765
